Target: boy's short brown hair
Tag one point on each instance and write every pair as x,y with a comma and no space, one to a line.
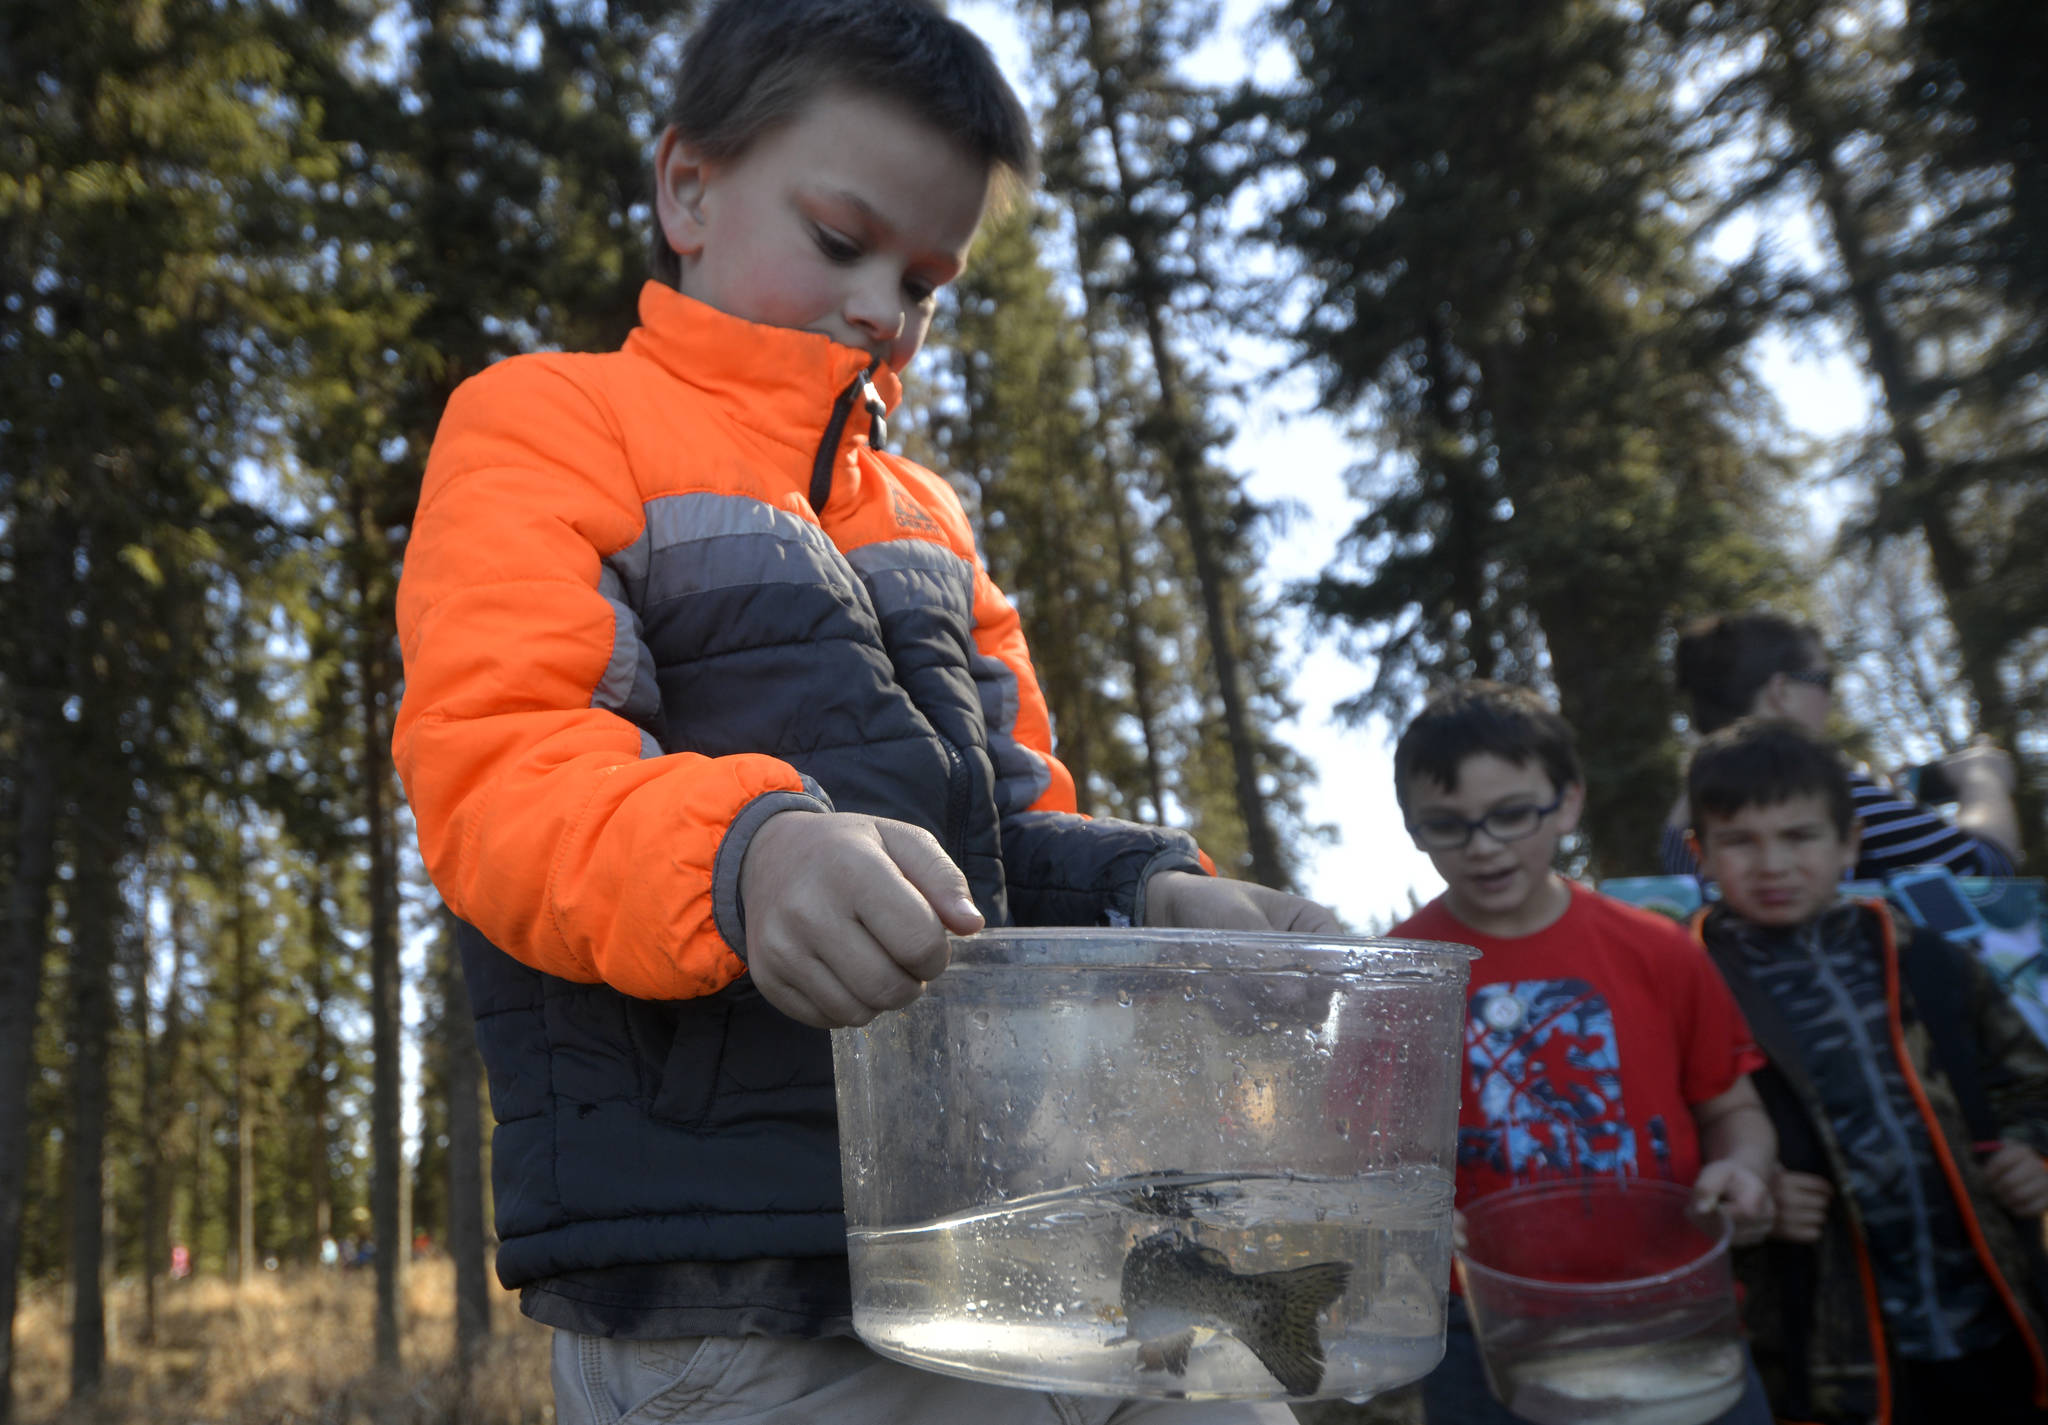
1514,724
752,65
1765,761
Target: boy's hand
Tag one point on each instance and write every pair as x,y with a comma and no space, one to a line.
1803,1200
1735,1188
2018,1179
1459,1241
847,914
1196,902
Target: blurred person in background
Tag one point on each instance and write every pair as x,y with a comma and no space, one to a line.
1764,664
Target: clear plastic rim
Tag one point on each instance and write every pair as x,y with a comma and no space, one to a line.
1724,1232
1237,951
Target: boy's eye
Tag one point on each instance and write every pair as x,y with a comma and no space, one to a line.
919,291
1513,821
834,245
1444,831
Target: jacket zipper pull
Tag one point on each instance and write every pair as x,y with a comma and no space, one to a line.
878,413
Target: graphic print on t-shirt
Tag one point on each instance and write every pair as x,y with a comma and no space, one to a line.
1544,1069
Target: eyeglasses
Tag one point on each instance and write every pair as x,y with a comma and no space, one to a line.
1822,678
1447,831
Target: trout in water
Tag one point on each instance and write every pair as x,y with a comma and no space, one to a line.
1174,1286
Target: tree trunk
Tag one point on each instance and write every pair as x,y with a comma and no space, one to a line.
91,908
1923,483
42,729
387,1170
1184,457
467,1242
1144,698
318,1098
244,1105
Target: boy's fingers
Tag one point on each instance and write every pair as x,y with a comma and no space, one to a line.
1309,917
856,984
925,864
790,1000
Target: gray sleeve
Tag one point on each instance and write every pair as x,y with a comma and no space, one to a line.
729,912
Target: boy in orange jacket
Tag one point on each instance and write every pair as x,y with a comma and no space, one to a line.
714,727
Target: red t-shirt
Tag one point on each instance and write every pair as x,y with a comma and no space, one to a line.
1587,1045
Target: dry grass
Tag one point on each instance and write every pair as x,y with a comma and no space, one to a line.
295,1348
289,1348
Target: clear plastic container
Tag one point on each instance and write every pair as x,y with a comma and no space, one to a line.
1193,1164
1603,1301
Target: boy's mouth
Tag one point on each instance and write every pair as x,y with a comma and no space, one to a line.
1492,880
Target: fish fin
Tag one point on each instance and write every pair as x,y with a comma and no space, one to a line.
1283,1334
1168,1353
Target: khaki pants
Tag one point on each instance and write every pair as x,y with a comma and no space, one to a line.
770,1380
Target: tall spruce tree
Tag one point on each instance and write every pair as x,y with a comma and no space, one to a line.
1481,202
1900,137
487,207
140,142
1119,136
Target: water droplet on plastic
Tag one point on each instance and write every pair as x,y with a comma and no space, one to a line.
1123,997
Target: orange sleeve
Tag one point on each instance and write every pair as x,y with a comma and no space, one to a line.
541,820
999,634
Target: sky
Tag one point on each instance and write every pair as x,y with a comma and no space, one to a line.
1289,452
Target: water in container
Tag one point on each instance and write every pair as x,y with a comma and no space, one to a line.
1209,1286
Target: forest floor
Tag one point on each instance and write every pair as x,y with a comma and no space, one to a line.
295,1347
288,1348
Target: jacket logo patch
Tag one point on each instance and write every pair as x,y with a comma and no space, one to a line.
909,516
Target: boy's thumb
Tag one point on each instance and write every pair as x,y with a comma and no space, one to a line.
925,864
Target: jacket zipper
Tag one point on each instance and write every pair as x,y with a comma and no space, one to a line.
863,387
956,797
828,449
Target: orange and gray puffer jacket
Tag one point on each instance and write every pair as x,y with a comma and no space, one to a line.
653,597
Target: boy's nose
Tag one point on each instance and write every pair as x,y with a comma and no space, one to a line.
877,314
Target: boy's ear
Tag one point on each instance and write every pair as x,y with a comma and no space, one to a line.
1571,808
679,172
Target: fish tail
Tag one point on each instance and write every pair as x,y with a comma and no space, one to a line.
1282,1330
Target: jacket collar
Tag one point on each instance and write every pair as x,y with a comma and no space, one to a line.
1760,944
780,382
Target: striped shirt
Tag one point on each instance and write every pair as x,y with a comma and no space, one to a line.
1897,832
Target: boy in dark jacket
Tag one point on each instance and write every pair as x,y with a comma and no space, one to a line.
1902,1282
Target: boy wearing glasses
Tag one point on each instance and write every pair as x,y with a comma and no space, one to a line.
1598,1038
